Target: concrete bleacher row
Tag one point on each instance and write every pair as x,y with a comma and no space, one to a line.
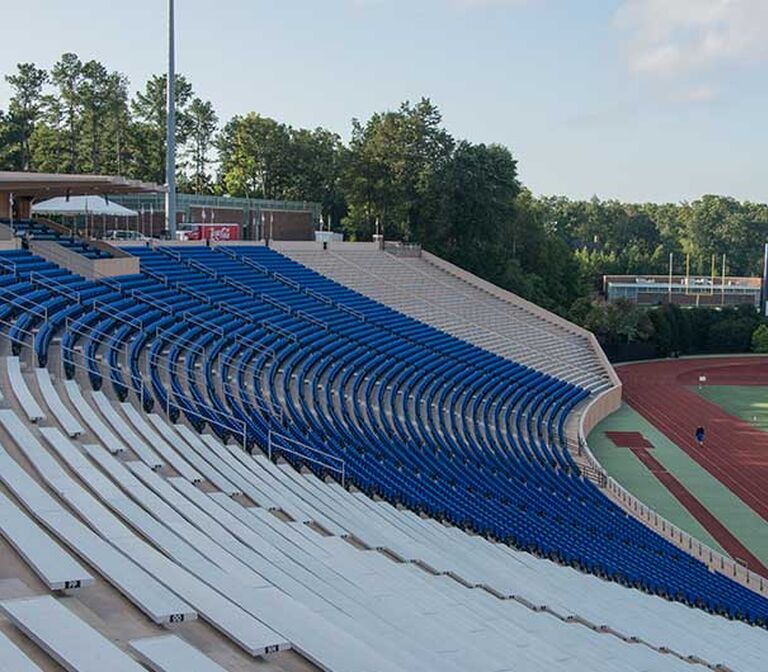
77,646
420,289
430,597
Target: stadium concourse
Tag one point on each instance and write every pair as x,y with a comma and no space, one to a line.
230,461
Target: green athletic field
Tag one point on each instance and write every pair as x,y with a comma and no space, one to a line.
748,402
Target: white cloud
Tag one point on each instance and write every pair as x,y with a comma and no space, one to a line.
672,38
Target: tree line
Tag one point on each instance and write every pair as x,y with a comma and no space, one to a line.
400,172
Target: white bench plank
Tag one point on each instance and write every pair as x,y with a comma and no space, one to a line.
66,419
126,434
159,603
160,444
13,659
249,633
57,569
80,464
70,641
211,474
194,541
19,386
241,627
169,653
112,443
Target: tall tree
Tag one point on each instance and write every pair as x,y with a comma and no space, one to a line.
475,195
94,92
393,157
203,123
48,143
318,160
67,75
117,123
6,143
24,109
255,156
149,109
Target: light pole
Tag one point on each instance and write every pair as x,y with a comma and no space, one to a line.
764,283
170,131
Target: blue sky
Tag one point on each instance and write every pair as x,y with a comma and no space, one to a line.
660,100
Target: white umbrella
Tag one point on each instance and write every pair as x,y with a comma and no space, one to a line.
81,205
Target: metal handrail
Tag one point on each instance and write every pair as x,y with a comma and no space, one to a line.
266,324
317,295
125,318
227,308
20,301
194,319
351,311
303,314
156,276
193,263
152,301
10,264
38,278
253,264
340,468
238,285
165,335
225,250
286,280
169,251
250,343
284,307
194,293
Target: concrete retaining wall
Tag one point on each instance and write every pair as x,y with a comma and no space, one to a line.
92,269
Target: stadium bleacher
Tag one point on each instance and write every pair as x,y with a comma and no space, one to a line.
405,499
415,286
30,229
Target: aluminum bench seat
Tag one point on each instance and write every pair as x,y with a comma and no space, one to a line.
160,444
65,418
22,392
160,604
251,634
148,489
168,653
199,464
13,659
91,419
66,638
145,453
55,566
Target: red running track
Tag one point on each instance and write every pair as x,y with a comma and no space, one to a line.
734,452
